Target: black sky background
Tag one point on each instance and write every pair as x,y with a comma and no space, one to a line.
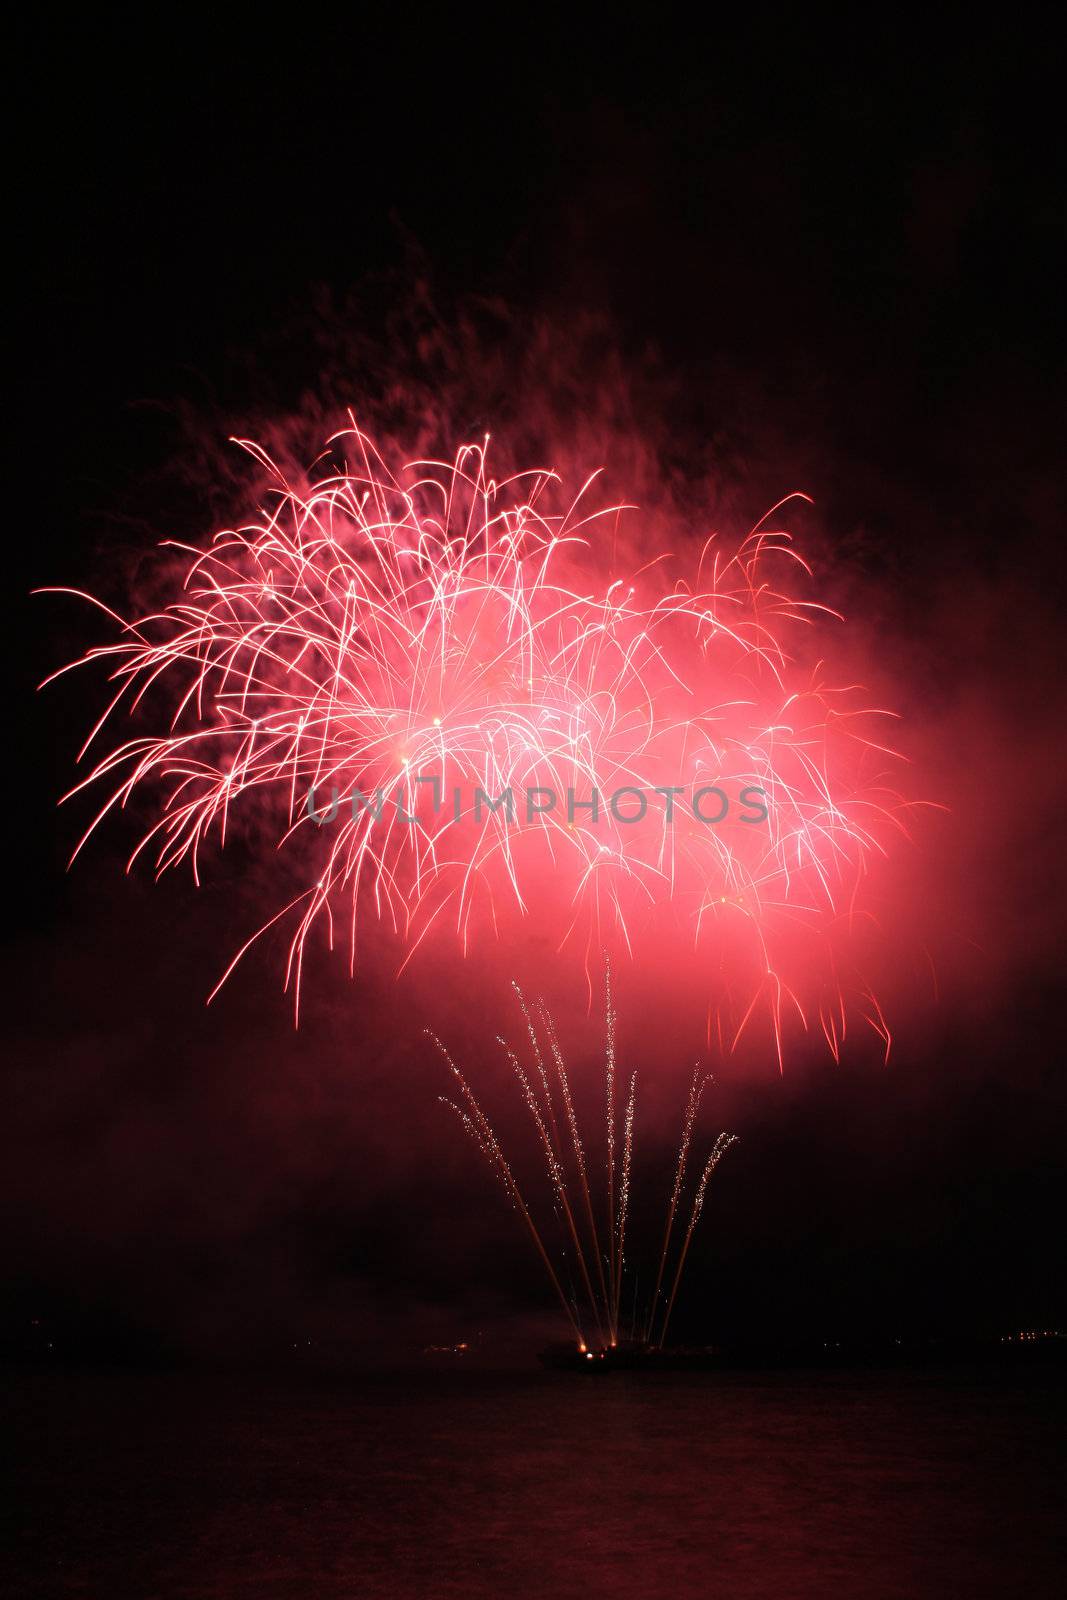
844,258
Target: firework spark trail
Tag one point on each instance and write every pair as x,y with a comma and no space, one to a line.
609,1076
723,1143
557,1176
576,1142
478,1128
539,1062
624,1198
696,1090
370,639
520,1206
605,1309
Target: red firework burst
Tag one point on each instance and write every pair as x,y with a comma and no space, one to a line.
362,673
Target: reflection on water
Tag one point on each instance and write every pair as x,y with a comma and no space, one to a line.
539,1484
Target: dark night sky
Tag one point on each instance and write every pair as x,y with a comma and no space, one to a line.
841,263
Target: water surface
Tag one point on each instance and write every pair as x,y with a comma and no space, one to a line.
471,1484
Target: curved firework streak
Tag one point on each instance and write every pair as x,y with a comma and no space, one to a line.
370,636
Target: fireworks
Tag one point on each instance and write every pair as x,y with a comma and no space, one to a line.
592,1305
363,672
